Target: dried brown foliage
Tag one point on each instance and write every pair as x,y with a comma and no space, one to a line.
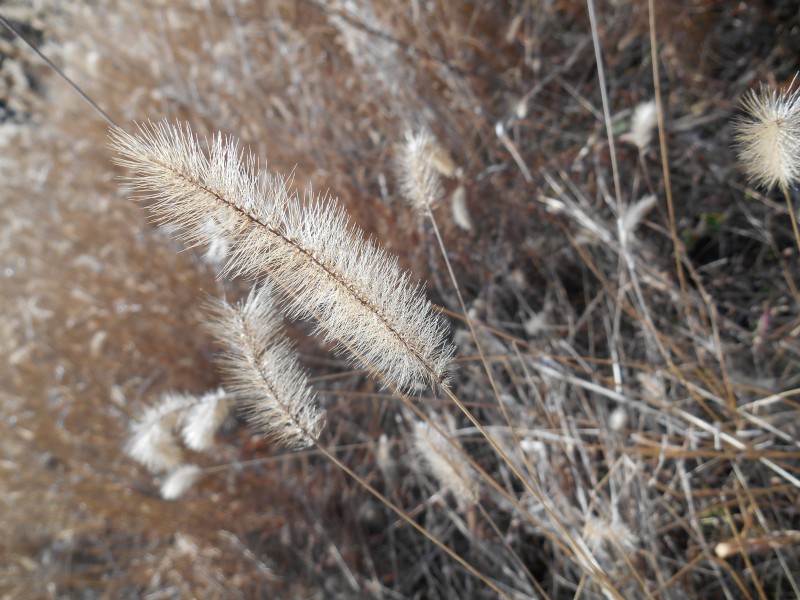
653,414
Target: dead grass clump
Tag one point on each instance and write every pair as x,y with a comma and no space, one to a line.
628,356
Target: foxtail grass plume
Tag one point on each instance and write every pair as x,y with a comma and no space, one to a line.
420,161
179,481
446,463
325,269
768,137
263,370
153,443
643,123
202,420
155,434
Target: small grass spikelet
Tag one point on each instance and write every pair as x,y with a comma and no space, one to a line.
153,443
643,122
179,481
445,463
202,420
768,137
327,271
419,162
604,534
175,416
263,370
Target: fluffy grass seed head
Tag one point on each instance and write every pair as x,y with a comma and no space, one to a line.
420,160
643,123
326,269
603,535
179,481
154,437
153,443
263,370
201,421
445,463
768,137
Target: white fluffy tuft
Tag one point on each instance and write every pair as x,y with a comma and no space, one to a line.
458,203
768,137
643,123
603,535
202,420
445,463
179,481
419,162
636,212
154,437
152,442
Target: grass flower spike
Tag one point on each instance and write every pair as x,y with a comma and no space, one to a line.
173,417
152,442
420,161
445,463
179,481
643,123
327,271
263,371
768,137
203,420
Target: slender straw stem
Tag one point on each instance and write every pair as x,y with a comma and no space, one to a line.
662,141
792,215
7,24
475,337
535,490
404,515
